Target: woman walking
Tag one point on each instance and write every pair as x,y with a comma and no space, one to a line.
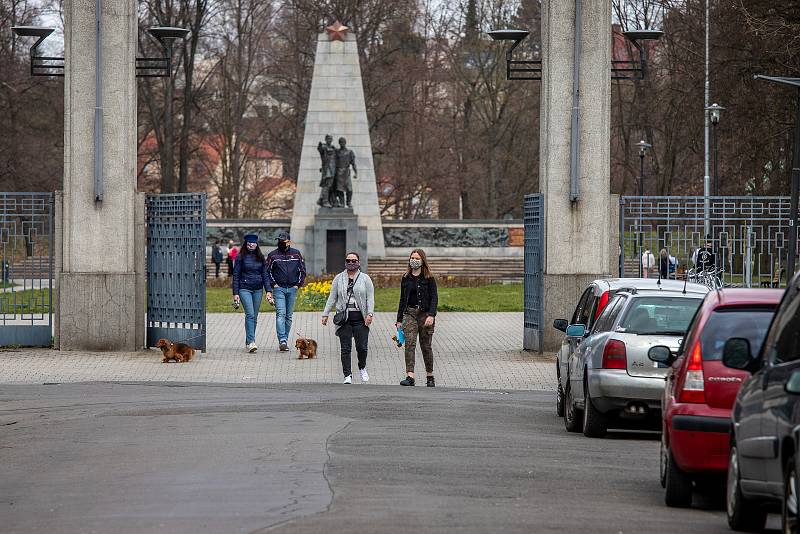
416,314
353,295
250,278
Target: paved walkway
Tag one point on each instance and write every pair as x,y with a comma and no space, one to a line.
471,350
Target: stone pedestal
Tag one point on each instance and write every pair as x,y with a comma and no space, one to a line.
579,235
327,221
97,298
336,106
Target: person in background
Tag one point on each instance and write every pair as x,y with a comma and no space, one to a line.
249,281
663,264
648,262
416,314
704,258
287,272
231,257
216,257
353,293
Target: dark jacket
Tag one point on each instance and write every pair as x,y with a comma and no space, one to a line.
216,254
249,273
427,295
286,269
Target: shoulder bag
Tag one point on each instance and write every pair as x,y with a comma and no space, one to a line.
341,315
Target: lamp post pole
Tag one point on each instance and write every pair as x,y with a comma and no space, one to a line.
714,111
795,191
643,148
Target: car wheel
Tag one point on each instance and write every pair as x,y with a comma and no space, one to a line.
662,464
560,401
594,421
789,519
743,514
572,417
678,485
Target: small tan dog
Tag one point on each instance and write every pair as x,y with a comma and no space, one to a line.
306,347
180,352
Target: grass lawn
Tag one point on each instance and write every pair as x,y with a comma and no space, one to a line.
492,298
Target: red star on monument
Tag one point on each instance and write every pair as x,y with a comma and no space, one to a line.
337,31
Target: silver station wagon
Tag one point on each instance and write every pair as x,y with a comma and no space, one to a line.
611,381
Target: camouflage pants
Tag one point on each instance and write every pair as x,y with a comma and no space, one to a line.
413,327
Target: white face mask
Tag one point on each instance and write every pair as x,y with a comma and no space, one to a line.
414,263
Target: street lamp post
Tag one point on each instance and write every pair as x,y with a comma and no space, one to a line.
795,188
643,147
715,111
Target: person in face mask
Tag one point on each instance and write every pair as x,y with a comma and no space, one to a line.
416,314
353,294
287,273
249,280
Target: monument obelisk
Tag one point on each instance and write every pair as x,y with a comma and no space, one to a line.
337,108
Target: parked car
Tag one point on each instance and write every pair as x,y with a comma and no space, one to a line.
610,378
591,304
763,459
700,389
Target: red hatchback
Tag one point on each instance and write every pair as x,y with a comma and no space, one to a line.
700,389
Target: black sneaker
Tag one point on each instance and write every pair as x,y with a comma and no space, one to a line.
409,381
284,347
430,383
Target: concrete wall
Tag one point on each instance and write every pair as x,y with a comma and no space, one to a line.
577,234
98,253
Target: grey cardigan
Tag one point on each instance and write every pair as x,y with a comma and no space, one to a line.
363,291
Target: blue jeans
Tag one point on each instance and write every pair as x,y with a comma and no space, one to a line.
284,307
251,302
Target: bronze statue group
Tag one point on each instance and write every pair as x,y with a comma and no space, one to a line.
336,185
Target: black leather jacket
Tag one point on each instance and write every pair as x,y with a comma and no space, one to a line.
427,295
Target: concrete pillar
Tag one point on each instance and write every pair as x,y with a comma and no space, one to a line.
578,235
97,280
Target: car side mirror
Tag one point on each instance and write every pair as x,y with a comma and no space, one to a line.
576,331
737,354
661,354
560,324
793,384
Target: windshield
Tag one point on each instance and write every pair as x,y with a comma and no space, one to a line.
659,315
749,323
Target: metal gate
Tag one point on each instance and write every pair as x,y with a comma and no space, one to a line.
26,264
749,235
176,282
533,338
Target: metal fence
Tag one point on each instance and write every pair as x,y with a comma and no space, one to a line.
533,338
176,286
748,236
26,269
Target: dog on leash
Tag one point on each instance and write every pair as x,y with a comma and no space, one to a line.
180,352
306,347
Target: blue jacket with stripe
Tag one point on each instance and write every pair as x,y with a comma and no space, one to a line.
286,269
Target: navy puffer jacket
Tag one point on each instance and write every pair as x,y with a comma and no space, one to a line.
249,273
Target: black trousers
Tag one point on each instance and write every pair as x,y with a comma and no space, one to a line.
216,269
360,332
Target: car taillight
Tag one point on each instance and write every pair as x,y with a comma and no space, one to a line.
614,356
694,389
601,305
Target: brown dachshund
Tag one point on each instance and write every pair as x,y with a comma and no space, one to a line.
180,352
306,347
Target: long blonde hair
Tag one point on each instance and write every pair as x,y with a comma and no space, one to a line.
426,270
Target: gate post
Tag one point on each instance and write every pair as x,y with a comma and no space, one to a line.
140,257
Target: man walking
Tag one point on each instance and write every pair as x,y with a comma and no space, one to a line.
216,257
287,272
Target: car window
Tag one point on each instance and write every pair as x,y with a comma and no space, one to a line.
587,312
659,315
723,324
786,347
609,315
576,317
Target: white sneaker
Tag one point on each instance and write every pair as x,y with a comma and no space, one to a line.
252,347
348,379
364,375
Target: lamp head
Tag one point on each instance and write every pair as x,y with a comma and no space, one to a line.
163,33
635,36
32,31
643,147
509,35
715,111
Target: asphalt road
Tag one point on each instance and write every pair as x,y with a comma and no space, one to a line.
319,458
